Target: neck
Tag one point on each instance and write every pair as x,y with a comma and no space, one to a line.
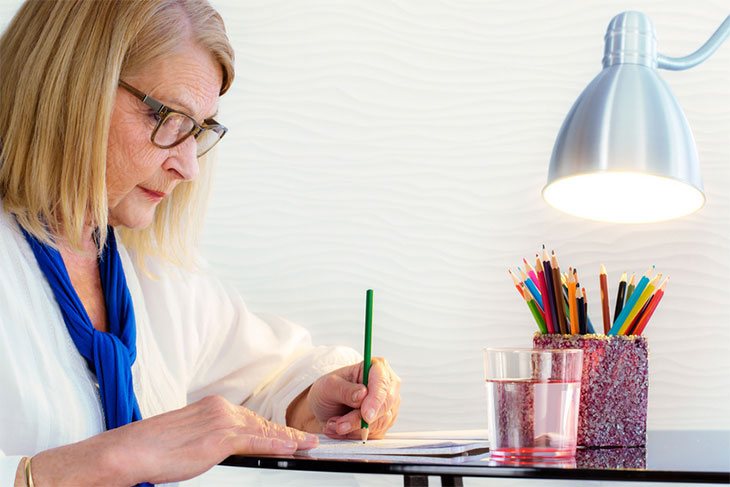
88,248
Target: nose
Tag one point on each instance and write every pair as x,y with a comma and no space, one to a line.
183,160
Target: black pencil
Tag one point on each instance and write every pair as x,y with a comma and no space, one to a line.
550,294
620,296
557,286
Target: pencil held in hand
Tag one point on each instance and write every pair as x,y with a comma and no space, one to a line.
366,360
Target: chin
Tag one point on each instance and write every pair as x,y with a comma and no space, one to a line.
132,220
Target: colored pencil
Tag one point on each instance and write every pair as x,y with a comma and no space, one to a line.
536,313
637,318
543,290
364,428
650,310
530,271
516,281
558,293
620,297
644,296
548,268
627,314
589,325
581,305
573,305
531,287
603,279
631,287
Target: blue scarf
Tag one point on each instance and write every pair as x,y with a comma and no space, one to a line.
109,355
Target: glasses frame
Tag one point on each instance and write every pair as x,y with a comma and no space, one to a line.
164,111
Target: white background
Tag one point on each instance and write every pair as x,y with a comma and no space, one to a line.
402,146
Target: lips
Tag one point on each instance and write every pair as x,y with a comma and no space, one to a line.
152,193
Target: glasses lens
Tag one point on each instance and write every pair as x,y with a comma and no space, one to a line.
174,128
209,137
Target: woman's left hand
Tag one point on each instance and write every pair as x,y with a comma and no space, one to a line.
339,400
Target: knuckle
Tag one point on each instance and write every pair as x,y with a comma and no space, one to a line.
215,403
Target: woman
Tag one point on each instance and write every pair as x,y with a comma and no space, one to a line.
121,363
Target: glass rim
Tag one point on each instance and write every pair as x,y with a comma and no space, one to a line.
564,351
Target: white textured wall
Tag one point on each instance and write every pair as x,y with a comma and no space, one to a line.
402,145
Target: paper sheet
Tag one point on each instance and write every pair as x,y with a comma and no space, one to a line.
425,443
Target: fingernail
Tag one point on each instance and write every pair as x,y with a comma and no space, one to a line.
311,440
369,415
290,444
343,428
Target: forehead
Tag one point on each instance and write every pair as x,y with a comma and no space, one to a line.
188,79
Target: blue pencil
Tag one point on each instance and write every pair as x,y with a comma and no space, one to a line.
533,288
630,303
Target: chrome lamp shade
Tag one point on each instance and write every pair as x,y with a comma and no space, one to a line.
625,152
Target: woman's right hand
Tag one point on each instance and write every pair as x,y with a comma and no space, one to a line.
170,447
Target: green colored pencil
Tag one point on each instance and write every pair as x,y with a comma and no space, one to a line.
368,344
631,287
536,313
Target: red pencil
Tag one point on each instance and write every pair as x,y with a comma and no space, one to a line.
542,285
650,310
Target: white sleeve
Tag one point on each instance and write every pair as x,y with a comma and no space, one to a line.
262,362
8,467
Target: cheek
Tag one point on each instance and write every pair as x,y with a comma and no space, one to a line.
131,159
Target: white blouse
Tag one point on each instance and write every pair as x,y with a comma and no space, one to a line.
195,337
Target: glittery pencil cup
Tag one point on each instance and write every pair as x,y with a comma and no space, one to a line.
615,387
532,402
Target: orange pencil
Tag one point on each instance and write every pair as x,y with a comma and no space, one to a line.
517,283
573,305
584,320
651,308
604,300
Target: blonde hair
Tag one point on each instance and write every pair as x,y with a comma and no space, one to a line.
60,64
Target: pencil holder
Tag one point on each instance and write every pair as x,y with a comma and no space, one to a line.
614,387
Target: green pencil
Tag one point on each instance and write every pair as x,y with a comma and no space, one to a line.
366,360
632,286
536,314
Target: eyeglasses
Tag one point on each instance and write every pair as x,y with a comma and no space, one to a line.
174,126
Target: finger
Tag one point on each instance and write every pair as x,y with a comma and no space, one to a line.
383,387
344,391
252,423
348,423
382,425
261,445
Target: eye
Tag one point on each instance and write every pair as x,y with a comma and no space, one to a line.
153,116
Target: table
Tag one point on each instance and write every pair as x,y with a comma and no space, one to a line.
669,456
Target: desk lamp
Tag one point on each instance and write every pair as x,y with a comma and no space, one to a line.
625,152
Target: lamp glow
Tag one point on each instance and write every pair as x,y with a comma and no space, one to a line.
623,197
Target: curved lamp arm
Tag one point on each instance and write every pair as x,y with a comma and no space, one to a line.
700,55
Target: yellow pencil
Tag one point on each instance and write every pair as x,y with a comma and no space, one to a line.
643,298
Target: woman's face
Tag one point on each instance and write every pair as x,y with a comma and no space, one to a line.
139,175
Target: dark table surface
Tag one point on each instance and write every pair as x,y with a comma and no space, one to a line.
669,456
